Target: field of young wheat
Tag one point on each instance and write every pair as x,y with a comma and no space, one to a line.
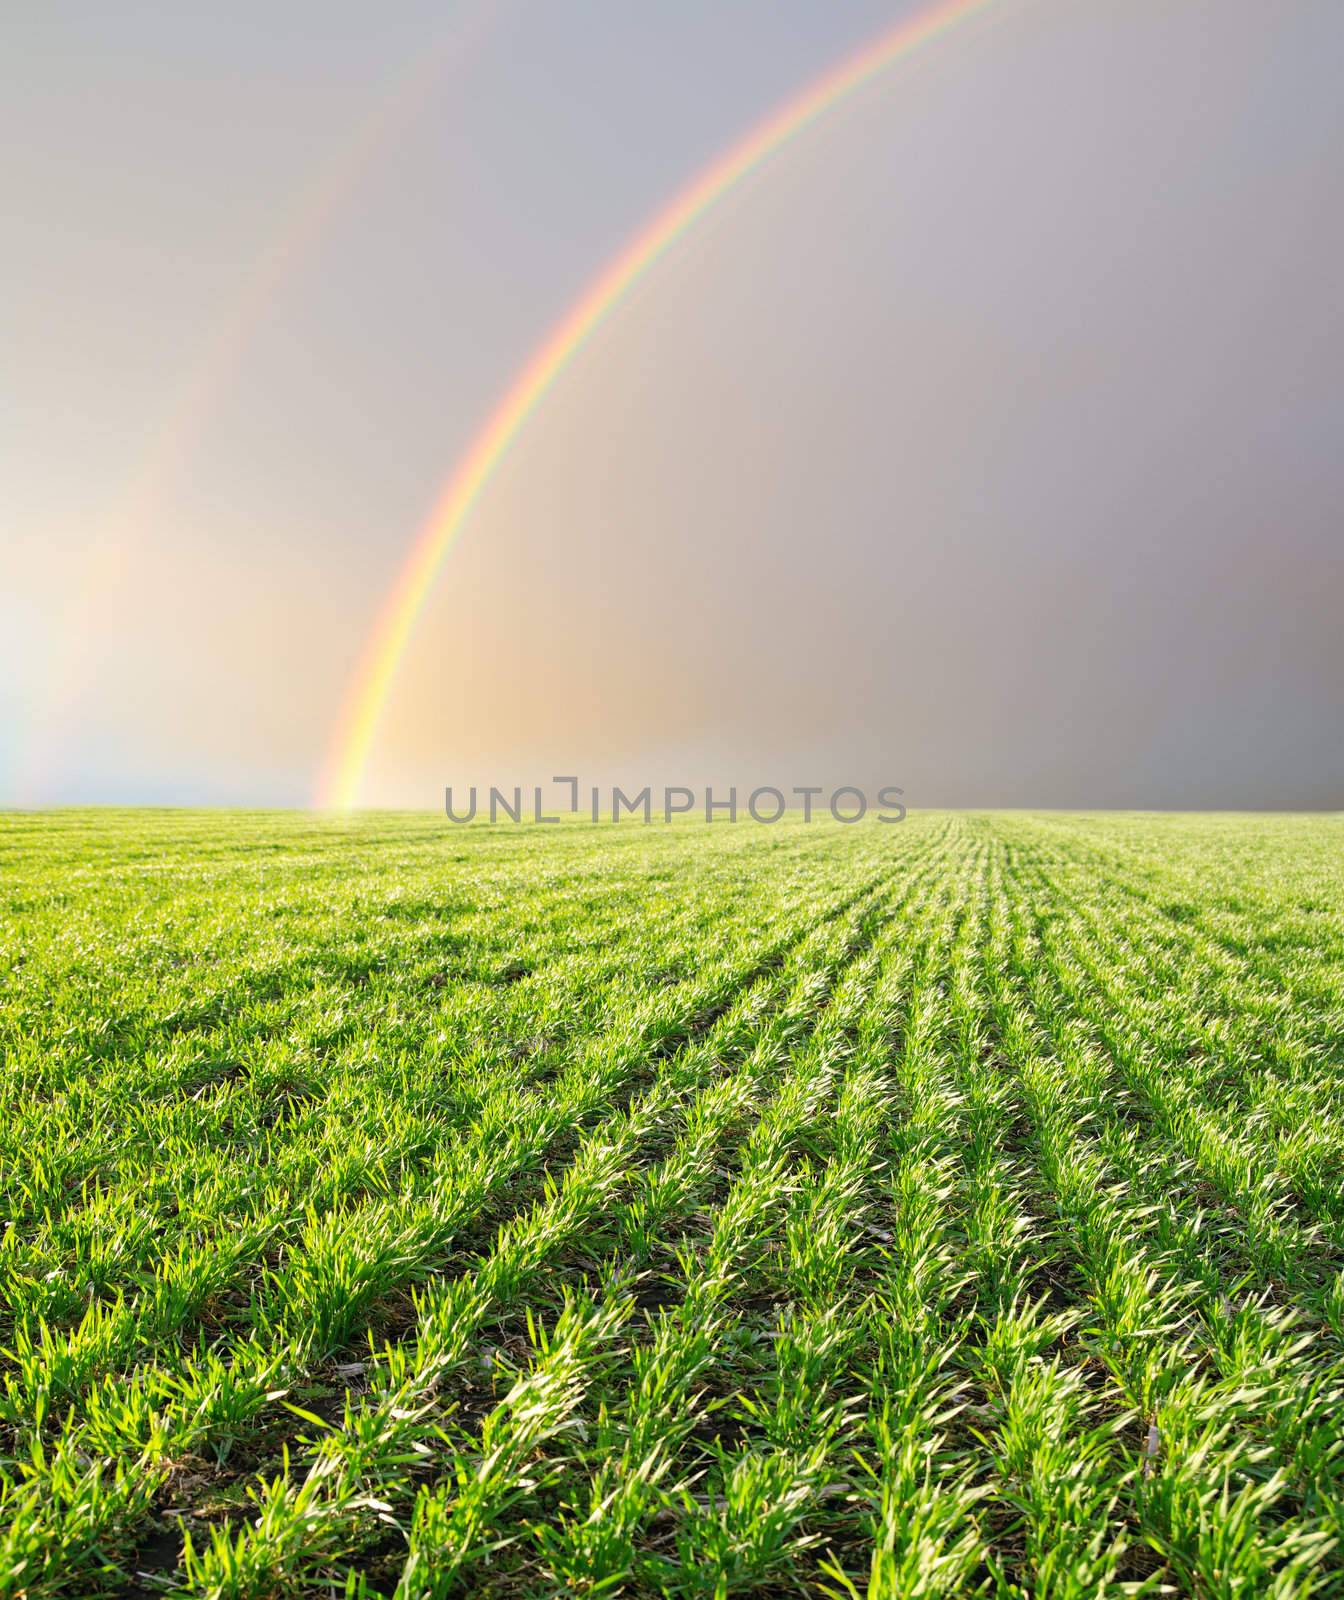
942,1209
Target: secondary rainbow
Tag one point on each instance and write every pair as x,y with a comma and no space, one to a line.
127,527
353,739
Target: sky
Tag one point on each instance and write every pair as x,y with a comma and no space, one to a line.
988,440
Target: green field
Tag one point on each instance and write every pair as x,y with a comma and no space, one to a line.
945,1208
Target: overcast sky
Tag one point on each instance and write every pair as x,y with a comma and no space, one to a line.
988,441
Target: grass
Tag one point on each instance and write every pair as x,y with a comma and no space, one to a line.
945,1209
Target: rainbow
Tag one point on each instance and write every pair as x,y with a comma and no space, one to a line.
348,754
